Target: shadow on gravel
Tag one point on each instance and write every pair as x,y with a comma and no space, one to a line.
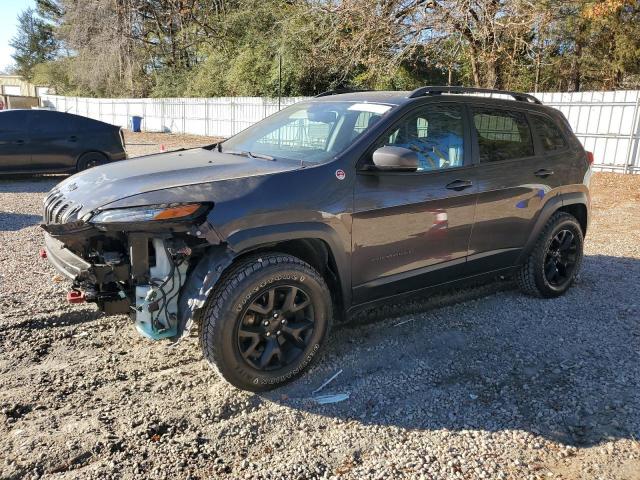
11,222
567,369
65,319
29,183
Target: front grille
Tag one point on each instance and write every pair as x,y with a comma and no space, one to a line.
58,209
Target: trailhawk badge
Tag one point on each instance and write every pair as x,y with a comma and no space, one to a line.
340,175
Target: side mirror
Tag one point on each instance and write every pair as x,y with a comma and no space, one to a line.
391,158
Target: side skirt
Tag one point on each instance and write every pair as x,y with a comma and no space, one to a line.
463,282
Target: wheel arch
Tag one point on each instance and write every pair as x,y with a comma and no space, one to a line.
315,252
579,211
574,203
318,244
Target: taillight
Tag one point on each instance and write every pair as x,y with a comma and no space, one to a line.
590,158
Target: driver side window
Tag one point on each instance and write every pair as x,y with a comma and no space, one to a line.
435,133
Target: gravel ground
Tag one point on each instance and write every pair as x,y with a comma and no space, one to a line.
482,384
144,143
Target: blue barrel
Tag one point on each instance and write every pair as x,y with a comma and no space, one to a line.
136,123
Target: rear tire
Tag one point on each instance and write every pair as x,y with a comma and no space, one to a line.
555,260
265,322
90,160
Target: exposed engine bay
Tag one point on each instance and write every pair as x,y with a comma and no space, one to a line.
138,273
156,303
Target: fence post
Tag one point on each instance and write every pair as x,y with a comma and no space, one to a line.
634,137
163,120
232,105
206,117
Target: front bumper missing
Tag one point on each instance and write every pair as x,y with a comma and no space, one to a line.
64,260
77,269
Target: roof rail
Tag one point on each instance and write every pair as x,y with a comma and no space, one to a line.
338,91
520,97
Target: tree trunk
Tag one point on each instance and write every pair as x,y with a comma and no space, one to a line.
475,69
577,74
492,76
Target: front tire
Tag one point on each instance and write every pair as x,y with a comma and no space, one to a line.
265,322
555,260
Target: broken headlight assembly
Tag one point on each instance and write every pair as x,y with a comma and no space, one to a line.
151,213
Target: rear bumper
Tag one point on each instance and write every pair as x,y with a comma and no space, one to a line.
64,260
116,157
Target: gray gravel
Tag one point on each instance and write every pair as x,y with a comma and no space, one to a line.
490,385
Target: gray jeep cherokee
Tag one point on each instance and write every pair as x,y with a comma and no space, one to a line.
330,205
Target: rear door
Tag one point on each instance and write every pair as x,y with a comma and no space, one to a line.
411,229
514,179
14,142
54,140
563,163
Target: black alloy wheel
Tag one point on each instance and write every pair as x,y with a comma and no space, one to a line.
276,327
553,264
561,258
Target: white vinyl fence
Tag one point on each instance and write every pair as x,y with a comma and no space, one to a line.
216,117
607,123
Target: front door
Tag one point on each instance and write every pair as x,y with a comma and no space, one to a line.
15,154
411,229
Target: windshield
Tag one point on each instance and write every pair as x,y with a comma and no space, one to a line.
310,132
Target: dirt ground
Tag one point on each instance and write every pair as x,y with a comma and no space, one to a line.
144,143
485,383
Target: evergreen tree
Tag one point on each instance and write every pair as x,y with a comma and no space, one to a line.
34,43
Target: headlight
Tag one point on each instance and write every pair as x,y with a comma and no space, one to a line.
147,213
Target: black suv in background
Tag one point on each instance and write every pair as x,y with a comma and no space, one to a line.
329,205
44,141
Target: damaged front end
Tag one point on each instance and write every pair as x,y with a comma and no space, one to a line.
137,261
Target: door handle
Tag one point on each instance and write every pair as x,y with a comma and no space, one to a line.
73,138
543,172
459,185
20,142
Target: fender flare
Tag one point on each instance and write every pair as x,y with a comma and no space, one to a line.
552,206
199,284
211,266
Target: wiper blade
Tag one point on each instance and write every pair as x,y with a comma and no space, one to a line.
261,155
249,154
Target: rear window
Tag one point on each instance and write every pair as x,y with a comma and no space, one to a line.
549,134
502,135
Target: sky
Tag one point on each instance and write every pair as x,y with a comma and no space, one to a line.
9,10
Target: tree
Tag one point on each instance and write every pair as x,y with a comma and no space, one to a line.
34,44
302,47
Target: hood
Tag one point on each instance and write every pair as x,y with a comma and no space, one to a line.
105,184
